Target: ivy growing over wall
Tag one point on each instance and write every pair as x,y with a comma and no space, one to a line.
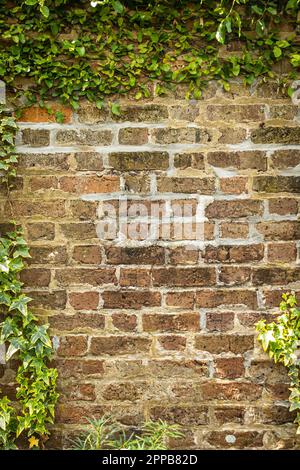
71,50
281,340
20,331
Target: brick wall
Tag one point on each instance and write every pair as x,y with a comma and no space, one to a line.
164,328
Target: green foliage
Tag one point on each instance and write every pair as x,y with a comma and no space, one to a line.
19,329
281,339
73,50
105,433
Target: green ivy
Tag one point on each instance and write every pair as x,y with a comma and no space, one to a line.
94,50
20,330
281,339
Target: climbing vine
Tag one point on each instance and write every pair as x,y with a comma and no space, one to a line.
281,339
20,330
97,49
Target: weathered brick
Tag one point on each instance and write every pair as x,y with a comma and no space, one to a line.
275,276
82,276
78,322
183,255
42,183
234,254
235,391
83,210
236,230
276,184
72,345
79,231
128,161
186,277
125,391
135,277
172,342
217,344
273,297
189,160
133,136
279,230
283,206
146,113
225,297
282,159
137,183
276,135
124,322
139,255
234,209
184,113
181,135
36,137
282,252
48,255
234,275
239,113
84,137
229,414
242,160
38,114
87,254
171,322
131,299
88,161
186,185
52,209
182,415
229,367
44,161
180,299
119,345
41,231
283,111
90,184
243,439
234,185
84,300
219,321
54,300
36,277
231,135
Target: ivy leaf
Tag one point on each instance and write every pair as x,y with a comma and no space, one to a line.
277,52
45,11
117,6
115,109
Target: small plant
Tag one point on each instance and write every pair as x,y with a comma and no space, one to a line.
281,340
105,433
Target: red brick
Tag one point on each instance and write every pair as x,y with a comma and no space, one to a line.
131,299
219,321
72,346
279,230
135,277
233,209
119,345
224,297
90,184
171,322
36,277
236,230
180,299
140,255
124,322
37,114
282,252
283,206
233,391
234,275
82,276
229,367
217,344
234,185
172,342
84,300
87,254
184,277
